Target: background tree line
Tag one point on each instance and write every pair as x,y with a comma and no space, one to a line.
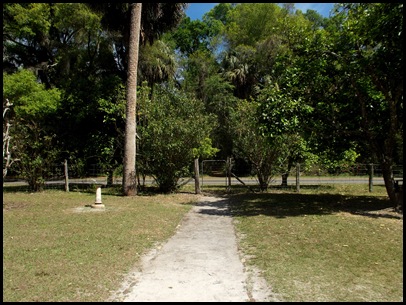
266,84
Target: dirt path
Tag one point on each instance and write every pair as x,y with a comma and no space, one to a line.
200,263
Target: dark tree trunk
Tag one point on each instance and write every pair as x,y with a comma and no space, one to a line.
395,198
285,179
285,175
110,177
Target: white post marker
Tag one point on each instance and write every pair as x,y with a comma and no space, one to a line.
98,202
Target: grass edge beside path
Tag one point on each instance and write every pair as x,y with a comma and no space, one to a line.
57,249
345,245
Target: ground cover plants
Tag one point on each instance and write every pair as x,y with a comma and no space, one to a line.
326,243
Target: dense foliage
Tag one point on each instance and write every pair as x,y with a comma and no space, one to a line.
329,89
172,127
34,142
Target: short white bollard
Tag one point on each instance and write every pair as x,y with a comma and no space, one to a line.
98,195
98,201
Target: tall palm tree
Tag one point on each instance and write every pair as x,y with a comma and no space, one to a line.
148,21
129,177
163,16
240,68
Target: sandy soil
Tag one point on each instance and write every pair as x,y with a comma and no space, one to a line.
200,263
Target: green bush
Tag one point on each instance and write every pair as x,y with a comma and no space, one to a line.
173,130
34,111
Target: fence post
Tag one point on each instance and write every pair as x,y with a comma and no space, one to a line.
371,175
228,166
66,176
197,177
298,177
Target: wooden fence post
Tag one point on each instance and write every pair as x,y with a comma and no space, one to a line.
197,177
298,177
66,176
371,176
228,166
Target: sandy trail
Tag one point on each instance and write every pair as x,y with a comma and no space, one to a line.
200,263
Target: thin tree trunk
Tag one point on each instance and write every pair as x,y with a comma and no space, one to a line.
285,175
129,171
110,177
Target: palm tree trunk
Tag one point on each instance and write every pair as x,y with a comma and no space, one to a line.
129,172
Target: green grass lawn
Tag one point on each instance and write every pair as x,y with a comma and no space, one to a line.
57,249
326,243
337,244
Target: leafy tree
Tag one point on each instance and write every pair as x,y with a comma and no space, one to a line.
250,23
349,72
198,43
250,144
191,36
202,35
77,57
107,143
220,12
31,99
255,48
49,38
175,131
281,116
318,21
34,107
199,75
368,50
308,75
219,101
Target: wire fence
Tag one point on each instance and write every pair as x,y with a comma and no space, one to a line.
212,172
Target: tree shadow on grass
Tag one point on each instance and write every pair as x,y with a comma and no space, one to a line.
282,205
216,208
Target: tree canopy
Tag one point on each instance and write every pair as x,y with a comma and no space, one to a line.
329,87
